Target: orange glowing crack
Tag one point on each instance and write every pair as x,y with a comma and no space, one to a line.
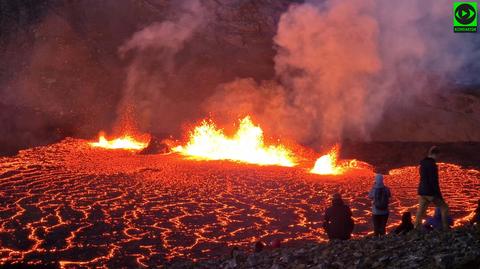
157,204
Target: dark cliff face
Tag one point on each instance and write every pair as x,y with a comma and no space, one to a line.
449,116
61,67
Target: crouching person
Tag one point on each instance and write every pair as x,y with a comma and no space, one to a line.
338,222
406,225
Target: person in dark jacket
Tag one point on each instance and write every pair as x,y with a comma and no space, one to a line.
380,195
406,225
429,189
338,221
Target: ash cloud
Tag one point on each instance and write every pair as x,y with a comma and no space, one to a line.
340,65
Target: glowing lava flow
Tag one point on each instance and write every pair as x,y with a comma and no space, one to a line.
127,142
328,164
247,145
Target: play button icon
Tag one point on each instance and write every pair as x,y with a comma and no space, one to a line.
465,14
465,17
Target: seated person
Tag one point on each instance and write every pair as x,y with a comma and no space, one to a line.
406,225
338,221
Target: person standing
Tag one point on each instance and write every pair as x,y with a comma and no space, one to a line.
338,221
380,195
429,189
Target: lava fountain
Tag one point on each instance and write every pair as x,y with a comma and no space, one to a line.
207,142
126,142
329,164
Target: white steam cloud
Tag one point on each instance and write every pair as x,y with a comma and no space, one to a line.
340,64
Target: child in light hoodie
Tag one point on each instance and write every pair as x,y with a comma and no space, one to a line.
380,195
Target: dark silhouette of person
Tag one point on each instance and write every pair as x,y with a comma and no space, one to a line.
429,189
476,216
380,195
435,222
338,221
259,246
406,225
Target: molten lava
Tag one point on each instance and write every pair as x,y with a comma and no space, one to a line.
328,164
132,211
247,145
127,142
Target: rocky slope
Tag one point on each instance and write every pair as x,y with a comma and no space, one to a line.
459,248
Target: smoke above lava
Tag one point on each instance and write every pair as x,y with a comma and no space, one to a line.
155,48
314,71
339,64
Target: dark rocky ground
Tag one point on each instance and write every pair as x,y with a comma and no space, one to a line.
459,248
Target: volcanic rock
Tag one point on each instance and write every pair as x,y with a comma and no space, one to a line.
459,248
155,146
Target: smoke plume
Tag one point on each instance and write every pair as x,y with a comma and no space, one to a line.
316,71
340,64
155,48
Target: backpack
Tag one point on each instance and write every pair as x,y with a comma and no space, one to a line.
381,199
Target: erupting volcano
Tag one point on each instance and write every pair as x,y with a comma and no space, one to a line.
246,145
329,164
301,100
126,142
125,208
207,142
